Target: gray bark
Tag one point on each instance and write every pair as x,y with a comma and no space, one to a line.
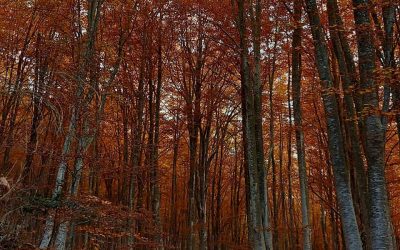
257,91
80,112
259,232
60,179
48,231
296,92
335,138
374,131
388,14
271,154
173,208
61,238
336,26
291,226
256,238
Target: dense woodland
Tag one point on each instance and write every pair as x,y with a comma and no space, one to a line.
182,124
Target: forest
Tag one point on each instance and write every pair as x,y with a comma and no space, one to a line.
200,124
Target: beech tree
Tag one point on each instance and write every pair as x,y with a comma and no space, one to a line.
248,124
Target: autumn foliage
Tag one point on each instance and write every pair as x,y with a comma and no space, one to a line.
244,124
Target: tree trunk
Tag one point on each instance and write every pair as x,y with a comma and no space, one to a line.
173,207
38,87
259,232
136,148
155,182
291,226
271,156
62,168
335,137
257,90
296,92
380,222
350,119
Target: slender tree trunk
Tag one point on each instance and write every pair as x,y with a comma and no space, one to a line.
296,92
38,86
11,133
335,137
213,229
194,118
93,17
202,188
271,157
291,227
284,244
173,219
259,138
155,182
193,134
62,168
124,170
13,102
389,17
380,221
388,14
351,119
255,235
259,233
136,148
219,199
396,106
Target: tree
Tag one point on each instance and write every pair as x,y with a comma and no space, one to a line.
374,130
256,192
335,137
297,112
170,124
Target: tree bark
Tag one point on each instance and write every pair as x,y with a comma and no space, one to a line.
291,226
374,131
155,182
296,92
259,232
351,119
173,207
335,137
